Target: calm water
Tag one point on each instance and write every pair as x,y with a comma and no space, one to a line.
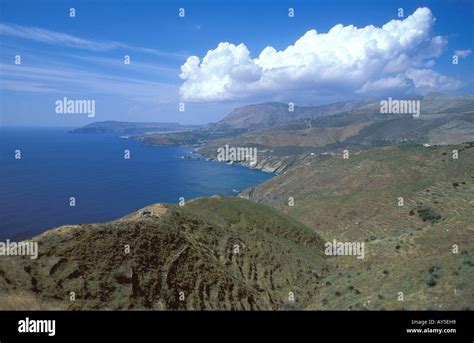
56,165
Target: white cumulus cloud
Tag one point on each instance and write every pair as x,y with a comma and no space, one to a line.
394,57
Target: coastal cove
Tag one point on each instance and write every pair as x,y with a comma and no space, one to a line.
55,166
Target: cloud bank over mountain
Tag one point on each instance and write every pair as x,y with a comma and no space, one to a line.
395,58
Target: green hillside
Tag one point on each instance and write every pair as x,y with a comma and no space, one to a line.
221,253
409,248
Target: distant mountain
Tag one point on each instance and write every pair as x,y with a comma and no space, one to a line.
443,120
132,127
271,114
430,104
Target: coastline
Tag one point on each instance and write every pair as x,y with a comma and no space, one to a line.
161,177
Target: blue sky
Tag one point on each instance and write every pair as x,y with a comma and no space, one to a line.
82,57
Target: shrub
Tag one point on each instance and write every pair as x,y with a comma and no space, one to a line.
431,281
427,214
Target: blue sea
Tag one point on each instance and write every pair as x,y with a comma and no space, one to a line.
55,165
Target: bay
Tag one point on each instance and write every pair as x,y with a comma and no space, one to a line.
55,165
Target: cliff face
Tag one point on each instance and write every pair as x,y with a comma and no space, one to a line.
213,253
266,163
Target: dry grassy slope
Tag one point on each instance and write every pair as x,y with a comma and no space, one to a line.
352,192
356,200
309,137
186,249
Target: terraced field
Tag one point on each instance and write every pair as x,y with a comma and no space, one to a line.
408,248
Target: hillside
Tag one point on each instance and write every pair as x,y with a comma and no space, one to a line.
173,249
292,144
431,103
409,247
361,131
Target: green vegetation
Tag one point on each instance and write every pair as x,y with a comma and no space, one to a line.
222,253
428,214
357,200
